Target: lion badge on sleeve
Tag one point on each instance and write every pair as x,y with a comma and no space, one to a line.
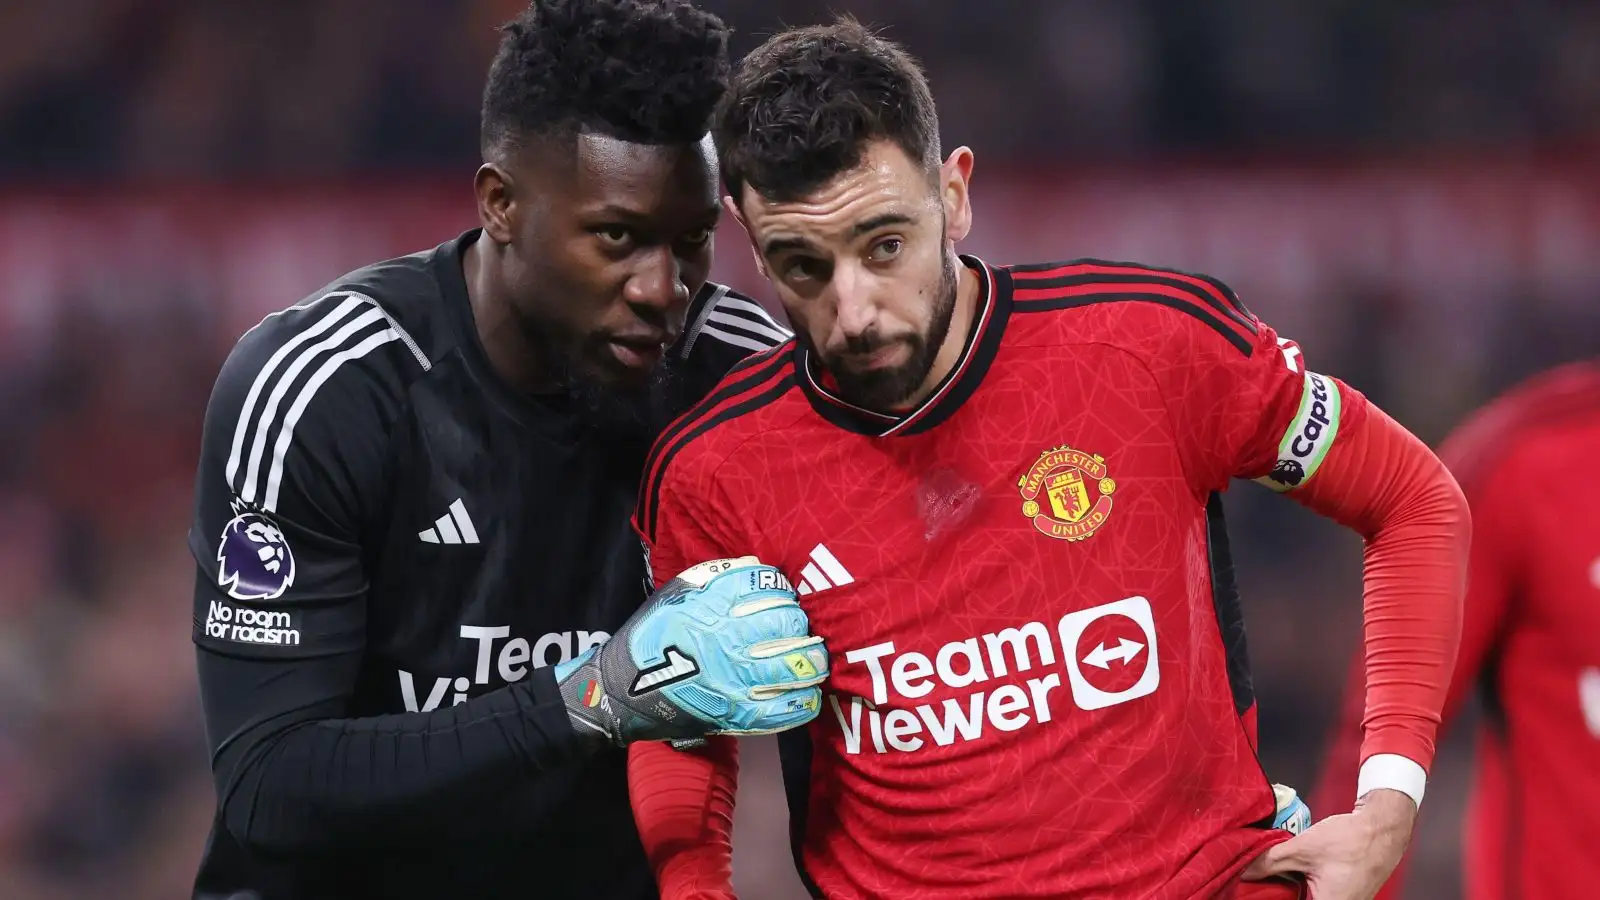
254,561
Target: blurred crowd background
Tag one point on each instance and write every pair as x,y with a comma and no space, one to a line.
1407,188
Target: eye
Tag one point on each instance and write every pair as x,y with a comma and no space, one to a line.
697,237
804,269
886,249
614,235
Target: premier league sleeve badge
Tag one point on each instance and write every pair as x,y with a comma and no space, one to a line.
254,561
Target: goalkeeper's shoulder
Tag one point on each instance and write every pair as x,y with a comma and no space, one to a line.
725,327
336,361
301,413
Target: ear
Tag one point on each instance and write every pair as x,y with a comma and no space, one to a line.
955,179
732,206
497,210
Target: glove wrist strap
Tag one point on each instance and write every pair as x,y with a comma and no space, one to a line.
585,696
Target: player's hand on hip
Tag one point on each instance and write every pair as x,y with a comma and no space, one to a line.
723,648
1346,857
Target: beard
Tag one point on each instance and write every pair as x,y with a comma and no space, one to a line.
613,404
886,389
630,412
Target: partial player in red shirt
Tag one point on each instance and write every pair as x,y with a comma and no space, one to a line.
996,488
1530,645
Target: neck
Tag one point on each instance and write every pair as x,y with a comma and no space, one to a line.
511,354
961,324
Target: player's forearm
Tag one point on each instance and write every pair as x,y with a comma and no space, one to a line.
683,806
306,782
1415,578
1384,483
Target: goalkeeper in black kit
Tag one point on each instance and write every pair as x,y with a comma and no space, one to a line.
417,605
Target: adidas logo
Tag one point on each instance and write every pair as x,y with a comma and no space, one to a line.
822,572
454,527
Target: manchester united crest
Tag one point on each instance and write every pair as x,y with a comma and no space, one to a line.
1076,491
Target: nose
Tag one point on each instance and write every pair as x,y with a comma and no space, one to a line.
658,283
855,311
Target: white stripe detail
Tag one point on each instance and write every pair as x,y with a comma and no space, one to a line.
321,326
289,309
736,340
692,332
769,649
830,566
755,309
1392,771
813,578
275,479
454,527
405,336
588,724
269,413
751,607
770,332
464,522
817,386
822,566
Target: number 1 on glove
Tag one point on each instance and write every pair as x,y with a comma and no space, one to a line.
723,648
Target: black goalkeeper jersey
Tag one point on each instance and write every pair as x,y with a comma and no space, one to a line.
393,548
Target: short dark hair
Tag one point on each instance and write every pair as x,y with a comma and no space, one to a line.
644,71
803,106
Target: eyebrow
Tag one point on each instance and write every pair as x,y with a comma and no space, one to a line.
879,221
710,214
865,226
780,245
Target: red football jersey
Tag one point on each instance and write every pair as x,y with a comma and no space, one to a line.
1040,686
1530,644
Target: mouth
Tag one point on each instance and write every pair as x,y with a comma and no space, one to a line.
887,356
639,352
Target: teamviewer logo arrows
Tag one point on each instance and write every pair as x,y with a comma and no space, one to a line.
1101,657
1070,631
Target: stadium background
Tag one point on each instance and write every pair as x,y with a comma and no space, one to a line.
1409,189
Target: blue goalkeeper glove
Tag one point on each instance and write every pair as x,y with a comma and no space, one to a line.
723,648
1293,815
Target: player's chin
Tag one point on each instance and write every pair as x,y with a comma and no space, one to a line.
880,388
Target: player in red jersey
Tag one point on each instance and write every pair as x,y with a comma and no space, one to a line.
1530,643
997,489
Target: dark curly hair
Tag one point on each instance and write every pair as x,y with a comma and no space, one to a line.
644,71
803,106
